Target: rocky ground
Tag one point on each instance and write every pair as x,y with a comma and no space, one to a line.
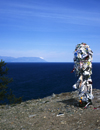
56,112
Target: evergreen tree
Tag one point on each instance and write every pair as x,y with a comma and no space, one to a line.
5,93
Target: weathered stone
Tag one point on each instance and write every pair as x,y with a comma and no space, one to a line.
63,122
32,115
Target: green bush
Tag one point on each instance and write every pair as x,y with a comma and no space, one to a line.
5,93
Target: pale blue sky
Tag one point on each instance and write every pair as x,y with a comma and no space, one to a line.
49,28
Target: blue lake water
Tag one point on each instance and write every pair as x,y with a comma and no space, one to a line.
38,80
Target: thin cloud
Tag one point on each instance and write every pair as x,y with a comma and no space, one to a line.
58,14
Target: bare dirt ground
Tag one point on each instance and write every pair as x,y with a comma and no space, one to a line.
56,112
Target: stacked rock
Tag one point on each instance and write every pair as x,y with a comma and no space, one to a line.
83,69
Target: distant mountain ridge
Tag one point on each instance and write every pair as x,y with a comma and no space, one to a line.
22,59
